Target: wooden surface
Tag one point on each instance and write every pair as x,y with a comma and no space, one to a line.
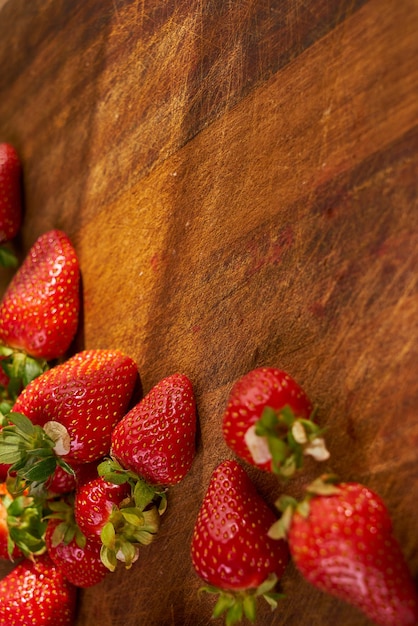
240,182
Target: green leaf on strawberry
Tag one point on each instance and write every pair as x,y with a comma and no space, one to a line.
289,439
8,258
28,450
21,525
269,422
234,606
123,515
143,492
19,370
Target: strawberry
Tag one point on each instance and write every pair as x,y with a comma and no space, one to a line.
94,503
10,192
21,526
156,439
267,422
120,516
35,593
341,540
40,308
75,556
66,416
61,482
230,547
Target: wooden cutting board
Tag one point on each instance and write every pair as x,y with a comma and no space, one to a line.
240,182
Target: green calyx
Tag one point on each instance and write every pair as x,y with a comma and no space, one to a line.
29,450
144,494
21,369
289,439
127,529
325,485
67,530
25,524
135,522
8,258
235,605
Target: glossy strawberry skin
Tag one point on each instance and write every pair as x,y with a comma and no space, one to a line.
40,309
250,394
230,546
94,503
10,192
37,594
82,567
88,394
346,548
156,439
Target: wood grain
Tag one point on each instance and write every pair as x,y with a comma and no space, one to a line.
239,180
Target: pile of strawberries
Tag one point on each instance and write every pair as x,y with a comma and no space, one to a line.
86,463
85,459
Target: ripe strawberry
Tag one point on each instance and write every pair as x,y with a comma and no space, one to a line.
60,483
95,501
10,192
35,593
66,415
120,516
230,547
156,439
21,526
75,556
341,540
267,422
40,308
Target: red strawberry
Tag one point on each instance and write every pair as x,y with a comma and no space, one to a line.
94,503
35,593
40,308
21,526
343,543
121,516
10,192
4,468
266,422
76,557
230,547
156,439
68,413
61,482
